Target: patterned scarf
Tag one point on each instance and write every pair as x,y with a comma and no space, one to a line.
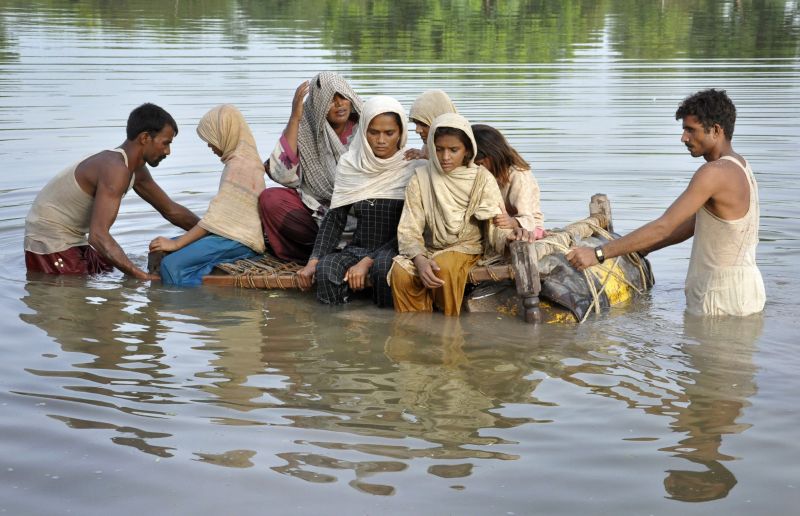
318,144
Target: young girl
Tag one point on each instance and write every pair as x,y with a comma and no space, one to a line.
371,179
230,230
445,225
424,111
515,179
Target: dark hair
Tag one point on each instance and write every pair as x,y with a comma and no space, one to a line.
710,107
461,135
493,145
148,118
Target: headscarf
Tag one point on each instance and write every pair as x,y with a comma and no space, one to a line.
431,104
450,199
362,175
318,144
233,212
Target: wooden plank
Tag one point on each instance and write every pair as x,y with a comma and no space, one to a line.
600,206
490,273
526,277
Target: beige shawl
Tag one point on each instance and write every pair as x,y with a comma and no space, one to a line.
431,104
452,209
233,212
362,175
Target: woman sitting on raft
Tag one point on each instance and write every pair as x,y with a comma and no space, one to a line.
319,131
445,226
371,179
424,111
515,179
230,230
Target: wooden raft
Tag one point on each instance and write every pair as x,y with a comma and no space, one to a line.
267,272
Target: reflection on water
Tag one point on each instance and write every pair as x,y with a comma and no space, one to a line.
715,393
420,384
703,388
432,390
417,31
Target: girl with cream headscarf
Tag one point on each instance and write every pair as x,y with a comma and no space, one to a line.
445,226
424,111
323,123
230,229
370,179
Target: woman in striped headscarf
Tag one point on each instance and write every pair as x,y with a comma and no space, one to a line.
319,131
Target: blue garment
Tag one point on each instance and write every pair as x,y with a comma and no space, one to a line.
187,266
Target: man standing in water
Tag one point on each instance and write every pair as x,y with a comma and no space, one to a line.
84,199
719,208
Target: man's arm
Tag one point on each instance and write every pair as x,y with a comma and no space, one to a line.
675,225
177,214
683,232
108,195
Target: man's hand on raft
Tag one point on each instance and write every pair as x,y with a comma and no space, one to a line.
581,257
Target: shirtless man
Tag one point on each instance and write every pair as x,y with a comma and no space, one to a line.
84,199
719,208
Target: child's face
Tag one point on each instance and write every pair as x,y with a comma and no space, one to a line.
450,152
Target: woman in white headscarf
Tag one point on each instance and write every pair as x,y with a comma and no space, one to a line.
446,222
323,123
230,230
370,179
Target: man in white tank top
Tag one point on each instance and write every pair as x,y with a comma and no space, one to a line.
719,208
67,227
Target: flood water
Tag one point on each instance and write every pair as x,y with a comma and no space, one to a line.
122,397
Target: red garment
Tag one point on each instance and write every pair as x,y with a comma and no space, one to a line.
81,259
289,228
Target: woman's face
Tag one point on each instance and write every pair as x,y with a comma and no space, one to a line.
339,111
422,130
383,135
450,152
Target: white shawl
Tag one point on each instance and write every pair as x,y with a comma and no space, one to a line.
362,175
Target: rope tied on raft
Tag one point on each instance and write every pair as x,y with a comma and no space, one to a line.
262,272
561,241
594,272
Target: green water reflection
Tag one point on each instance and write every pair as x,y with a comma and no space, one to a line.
455,31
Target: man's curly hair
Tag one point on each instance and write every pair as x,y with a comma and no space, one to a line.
710,107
